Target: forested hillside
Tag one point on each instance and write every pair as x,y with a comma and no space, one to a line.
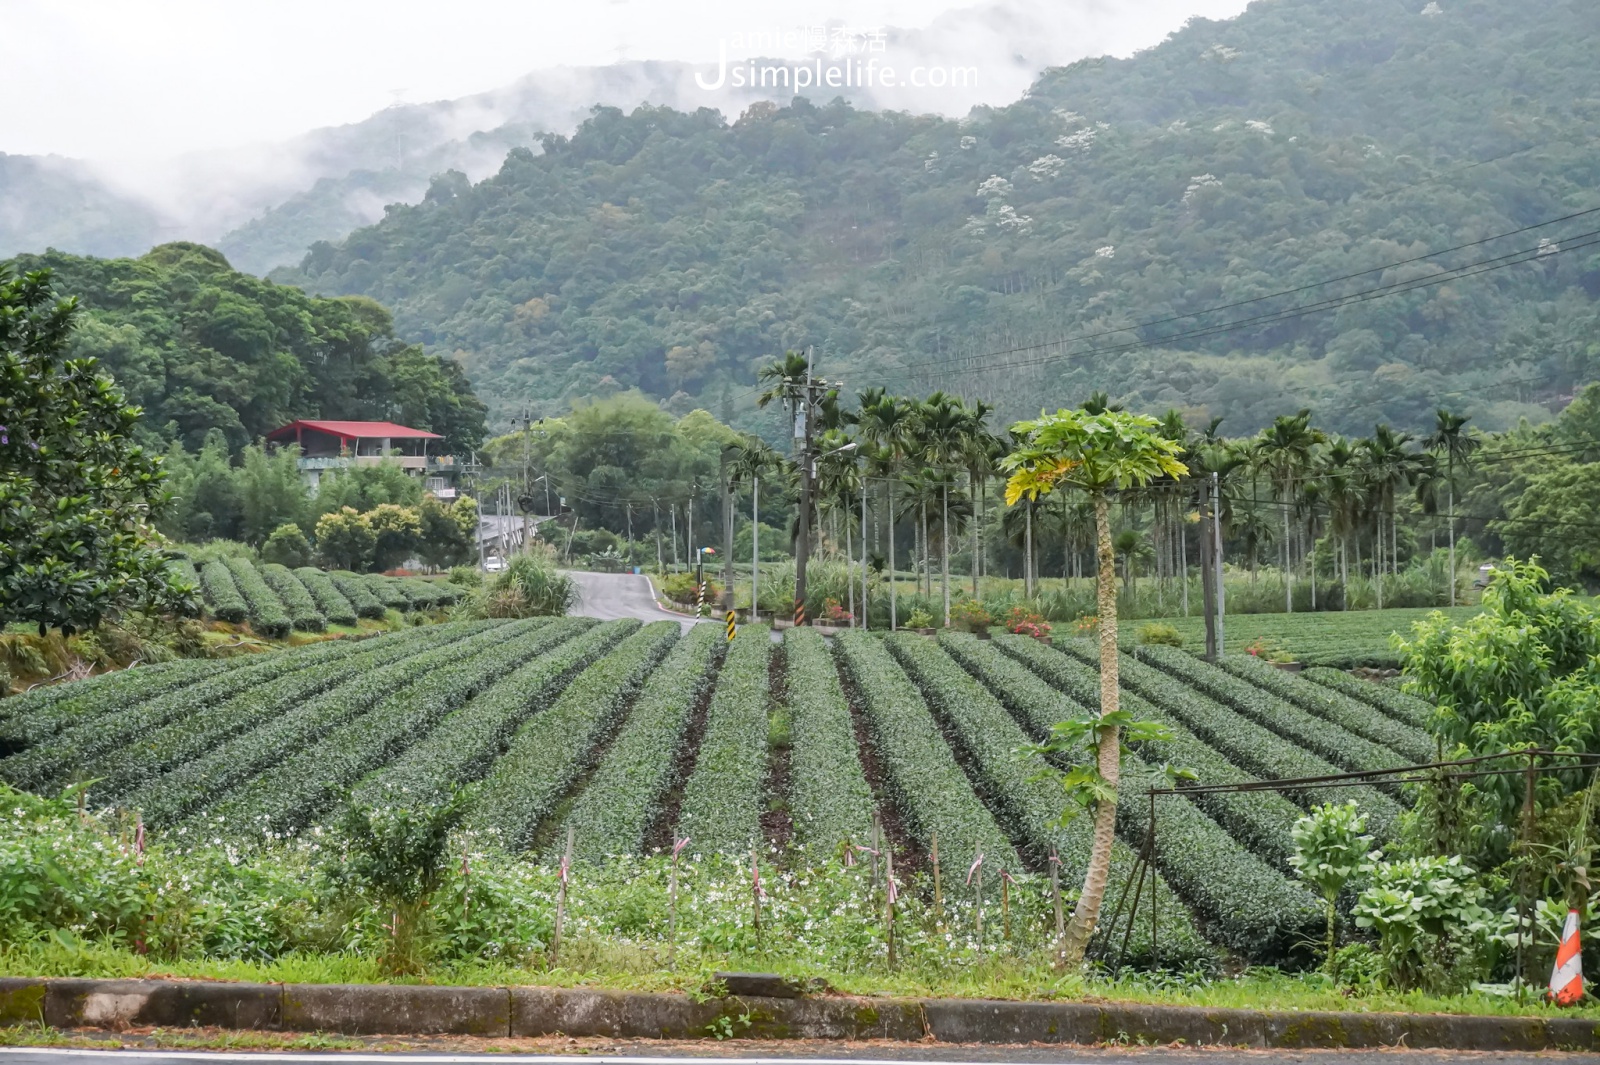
1300,142
202,347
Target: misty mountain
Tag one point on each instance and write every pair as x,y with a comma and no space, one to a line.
1302,141
263,205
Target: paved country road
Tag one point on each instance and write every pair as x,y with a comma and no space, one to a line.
807,1053
618,595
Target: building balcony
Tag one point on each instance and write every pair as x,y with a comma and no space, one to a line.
416,463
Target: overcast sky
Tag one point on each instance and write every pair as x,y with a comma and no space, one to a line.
129,79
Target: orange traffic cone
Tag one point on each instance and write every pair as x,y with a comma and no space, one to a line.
1566,979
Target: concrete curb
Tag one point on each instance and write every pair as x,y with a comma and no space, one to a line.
391,1009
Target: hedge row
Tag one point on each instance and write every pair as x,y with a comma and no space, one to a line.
267,616
829,799
56,762
42,711
387,591
1245,743
1358,717
427,595
222,594
355,588
1406,709
551,750
315,758
1319,736
296,598
185,571
985,731
1261,820
929,789
204,782
465,746
333,603
195,734
623,797
725,795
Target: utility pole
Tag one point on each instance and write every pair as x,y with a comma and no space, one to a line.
525,503
1208,569
1216,526
802,550
727,533
755,546
863,542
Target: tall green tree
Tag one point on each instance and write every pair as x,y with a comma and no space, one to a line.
1097,454
77,495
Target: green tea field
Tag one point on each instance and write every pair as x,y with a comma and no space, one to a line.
634,736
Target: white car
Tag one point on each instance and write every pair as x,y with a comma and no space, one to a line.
494,564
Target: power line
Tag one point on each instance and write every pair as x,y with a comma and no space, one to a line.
1274,295
1499,262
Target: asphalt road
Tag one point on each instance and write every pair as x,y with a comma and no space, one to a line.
618,595
804,1054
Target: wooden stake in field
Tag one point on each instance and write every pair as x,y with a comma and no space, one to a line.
975,878
561,897
672,904
1055,892
893,894
938,891
755,889
877,846
1005,904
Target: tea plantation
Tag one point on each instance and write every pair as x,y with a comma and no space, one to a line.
635,736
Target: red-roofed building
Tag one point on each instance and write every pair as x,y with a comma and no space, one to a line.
327,444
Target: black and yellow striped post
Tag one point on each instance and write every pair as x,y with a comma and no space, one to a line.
799,612
733,624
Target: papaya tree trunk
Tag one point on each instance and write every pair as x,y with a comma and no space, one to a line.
1109,756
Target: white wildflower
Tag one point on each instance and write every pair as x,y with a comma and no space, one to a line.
1046,166
968,143
1258,126
994,187
1107,252
1079,141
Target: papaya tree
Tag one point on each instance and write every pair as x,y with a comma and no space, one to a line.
1096,453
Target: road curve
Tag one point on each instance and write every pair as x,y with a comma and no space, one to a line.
619,595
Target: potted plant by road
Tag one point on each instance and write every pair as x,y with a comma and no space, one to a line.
1273,655
968,615
1024,622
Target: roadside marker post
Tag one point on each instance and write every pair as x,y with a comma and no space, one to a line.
733,625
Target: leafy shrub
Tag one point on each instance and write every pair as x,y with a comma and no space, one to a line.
1237,738
296,598
287,546
1157,633
388,591
1406,709
723,800
1356,716
479,732
1330,849
968,615
466,577
286,798
222,594
830,801
354,587
267,615
550,751
1025,622
622,799
329,599
1338,745
919,619
197,785
530,586
1433,927
683,589
927,785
